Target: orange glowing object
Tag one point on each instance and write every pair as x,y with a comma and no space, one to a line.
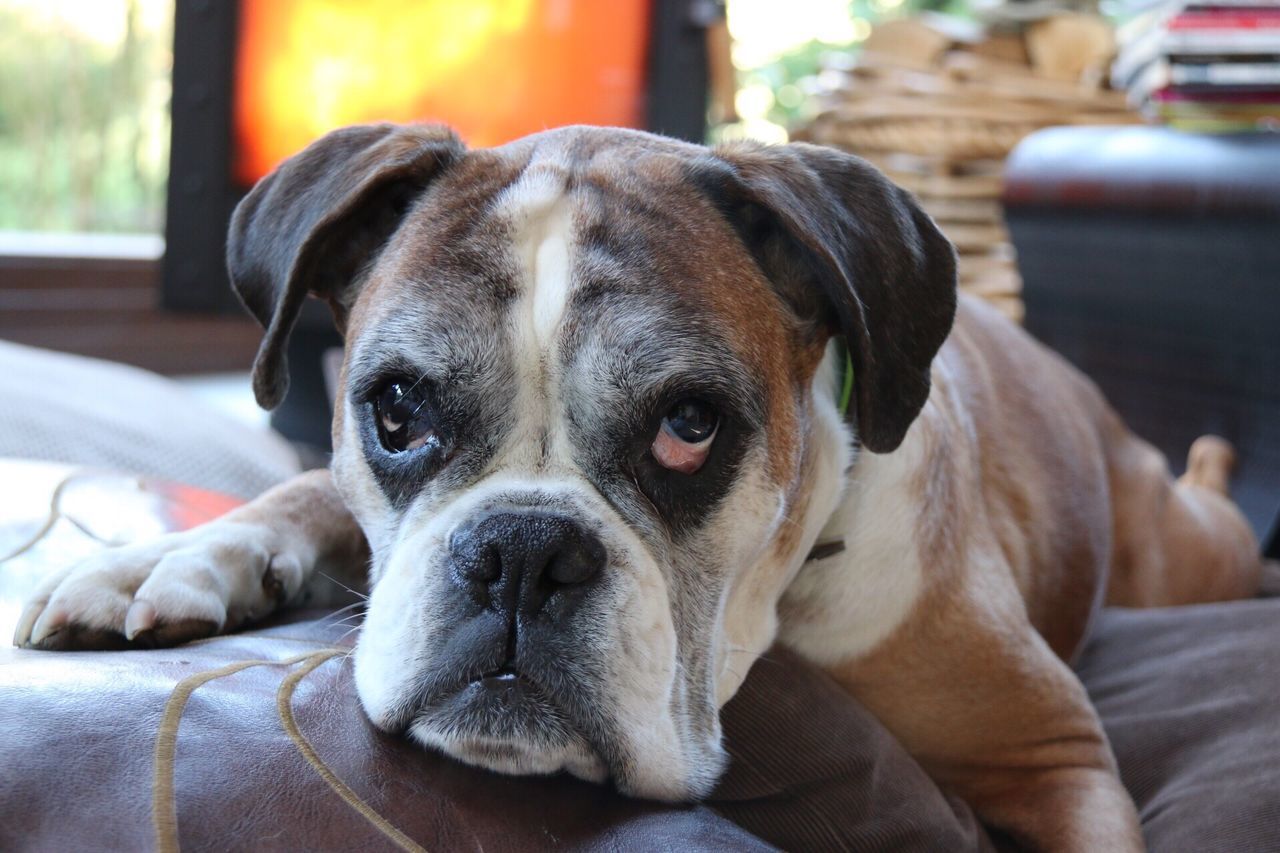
494,70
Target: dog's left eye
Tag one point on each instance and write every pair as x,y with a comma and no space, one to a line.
685,436
404,417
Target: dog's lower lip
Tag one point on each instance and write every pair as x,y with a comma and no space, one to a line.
502,681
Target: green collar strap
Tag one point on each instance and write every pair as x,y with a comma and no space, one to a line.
844,378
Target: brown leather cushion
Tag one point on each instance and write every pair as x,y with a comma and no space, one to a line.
270,750
257,740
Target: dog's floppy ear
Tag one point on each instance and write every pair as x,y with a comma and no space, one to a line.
853,253
318,221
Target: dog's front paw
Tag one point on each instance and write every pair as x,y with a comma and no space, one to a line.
166,591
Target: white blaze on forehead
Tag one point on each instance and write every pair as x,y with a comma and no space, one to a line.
541,226
551,275
542,231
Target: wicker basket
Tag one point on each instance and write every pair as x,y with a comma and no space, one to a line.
939,117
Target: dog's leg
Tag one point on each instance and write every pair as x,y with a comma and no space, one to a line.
978,697
1178,542
203,581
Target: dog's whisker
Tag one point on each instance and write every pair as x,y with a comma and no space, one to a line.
361,595
416,383
341,619
347,633
343,614
348,607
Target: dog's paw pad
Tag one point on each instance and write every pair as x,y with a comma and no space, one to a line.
174,633
69,636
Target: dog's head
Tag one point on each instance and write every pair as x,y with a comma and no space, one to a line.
581,417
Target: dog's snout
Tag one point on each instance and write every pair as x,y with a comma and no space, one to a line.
519,559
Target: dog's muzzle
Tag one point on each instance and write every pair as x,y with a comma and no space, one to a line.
514,673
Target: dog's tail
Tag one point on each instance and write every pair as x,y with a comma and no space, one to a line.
1178,541
1210,463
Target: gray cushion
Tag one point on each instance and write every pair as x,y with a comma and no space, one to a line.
84,411
1190,697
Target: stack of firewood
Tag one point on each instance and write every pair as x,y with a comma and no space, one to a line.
939,107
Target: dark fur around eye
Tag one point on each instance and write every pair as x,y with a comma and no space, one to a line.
405,439
616,452
686,500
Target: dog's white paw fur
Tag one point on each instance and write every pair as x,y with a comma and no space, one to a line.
166,591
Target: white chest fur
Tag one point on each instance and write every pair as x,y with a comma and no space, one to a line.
842,607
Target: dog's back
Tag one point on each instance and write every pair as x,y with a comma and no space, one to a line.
1082,507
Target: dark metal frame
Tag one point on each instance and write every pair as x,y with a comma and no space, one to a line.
201,193
678,77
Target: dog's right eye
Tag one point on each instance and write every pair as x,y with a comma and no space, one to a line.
404,417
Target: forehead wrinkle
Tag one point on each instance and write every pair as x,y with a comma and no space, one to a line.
631,350
638,320
451,245
448,345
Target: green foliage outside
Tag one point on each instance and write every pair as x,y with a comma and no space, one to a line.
84,125
793,78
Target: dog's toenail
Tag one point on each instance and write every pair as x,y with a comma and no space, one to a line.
273,586
141,617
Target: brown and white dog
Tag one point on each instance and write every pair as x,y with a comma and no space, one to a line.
588,434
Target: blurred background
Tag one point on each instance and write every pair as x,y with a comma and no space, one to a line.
86,85
1109,171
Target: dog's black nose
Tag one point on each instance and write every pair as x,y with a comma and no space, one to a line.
519,559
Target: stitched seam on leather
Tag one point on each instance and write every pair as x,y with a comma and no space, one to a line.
253,635
55,513
284,697
164,807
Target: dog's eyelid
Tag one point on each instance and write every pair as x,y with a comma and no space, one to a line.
717,390
407,391
729,404
366,385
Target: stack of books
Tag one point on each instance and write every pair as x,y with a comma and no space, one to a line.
1204,66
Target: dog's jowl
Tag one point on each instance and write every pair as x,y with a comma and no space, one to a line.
592,421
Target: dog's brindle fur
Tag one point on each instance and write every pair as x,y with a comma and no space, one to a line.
557,294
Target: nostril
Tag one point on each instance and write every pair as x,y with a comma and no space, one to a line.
485,567
577,562
475,559
523,559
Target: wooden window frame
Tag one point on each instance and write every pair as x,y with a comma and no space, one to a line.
98,296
